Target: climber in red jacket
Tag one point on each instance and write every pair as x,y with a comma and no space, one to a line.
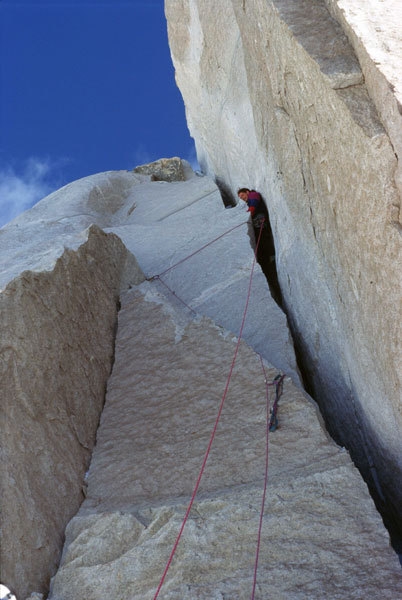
263,233
256,206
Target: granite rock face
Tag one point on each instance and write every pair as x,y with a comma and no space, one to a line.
321,535
374,31
56,349
296,99
61,278
177,335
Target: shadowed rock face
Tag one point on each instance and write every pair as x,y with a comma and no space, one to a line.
283,98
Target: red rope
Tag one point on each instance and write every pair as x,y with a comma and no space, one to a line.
204,462
174,293
277,383
257,553
195,252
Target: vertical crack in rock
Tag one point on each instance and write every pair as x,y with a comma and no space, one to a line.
348,428
266,256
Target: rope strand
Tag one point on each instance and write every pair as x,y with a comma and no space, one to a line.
257,553
158,277
194,253
278,383
204,462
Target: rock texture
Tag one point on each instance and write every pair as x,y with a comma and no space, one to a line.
171,363
321,537
166,169
56,350
374,30
60,281
283,97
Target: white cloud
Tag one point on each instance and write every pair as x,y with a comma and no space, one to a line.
21,190
141,156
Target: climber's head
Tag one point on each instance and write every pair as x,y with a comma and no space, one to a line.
243,194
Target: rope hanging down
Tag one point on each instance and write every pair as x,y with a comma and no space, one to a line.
264,494
278,383
204,462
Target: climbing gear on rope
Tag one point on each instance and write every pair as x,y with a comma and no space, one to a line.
278,383
259,222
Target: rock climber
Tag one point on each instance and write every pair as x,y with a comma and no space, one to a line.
262,232
256,206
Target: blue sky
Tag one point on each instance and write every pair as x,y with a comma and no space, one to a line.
85,86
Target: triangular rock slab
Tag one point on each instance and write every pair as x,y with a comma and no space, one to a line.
321,538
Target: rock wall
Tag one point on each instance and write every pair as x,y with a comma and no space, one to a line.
56,352
283,98
60,280
321,535
169,370
374,31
